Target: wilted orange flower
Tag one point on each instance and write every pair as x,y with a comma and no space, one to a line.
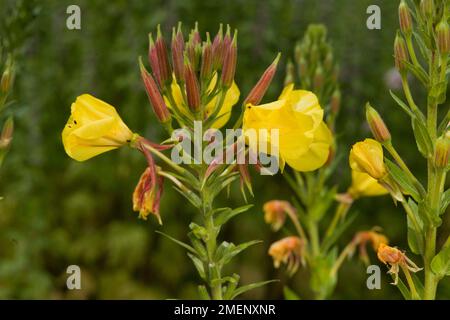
395,259
147,195
363,238
290,251
275,213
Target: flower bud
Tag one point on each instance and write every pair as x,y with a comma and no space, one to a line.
443,37
442,152
153,59
7,133
229,62
7,77
377,126
405,19
206,70
318,78
154,95
257,93
400,53
335,102
163,59
427,8
217,50
367,156
290,73
177,54
192,87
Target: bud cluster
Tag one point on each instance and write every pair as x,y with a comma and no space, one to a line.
315,67
200,68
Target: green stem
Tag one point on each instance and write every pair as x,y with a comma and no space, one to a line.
340,212
314,236
430,278
411,51
412,287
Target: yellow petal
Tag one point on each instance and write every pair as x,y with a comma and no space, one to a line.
363,185
231,98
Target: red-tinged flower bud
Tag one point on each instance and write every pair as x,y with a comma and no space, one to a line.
195,35
229,62
427,8
442,152
154,95
290,73
302,67
207,60
177,54
217,50
318,78
7,133
245,177
298,51
335,102
192,87
259,90
328,62
400,54
443,37
153,59
377,126
7,77
404,17
163,59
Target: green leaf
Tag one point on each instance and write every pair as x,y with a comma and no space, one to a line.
418,284
289,294
321,205
403,289
228,213
441,263
198,231
204,295
227,250
232,284
418,72
403,105
190,196
415,238
184,245
423,140
445,201
249,287
437,94
198,265
403,180
328,242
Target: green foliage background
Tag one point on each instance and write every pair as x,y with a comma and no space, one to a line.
57,212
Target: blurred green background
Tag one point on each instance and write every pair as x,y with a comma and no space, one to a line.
57,212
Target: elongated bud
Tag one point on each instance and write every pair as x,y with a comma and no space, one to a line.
290,73
207,60
335,102
329,59
298,51
7,133
154,95
229,62
192,87
318,78
427,8
217,50
404,16
377,126
163,59
259,90
153,59
400,54
302,67
195,35
177,54
245,178
443,37
442,152
7,77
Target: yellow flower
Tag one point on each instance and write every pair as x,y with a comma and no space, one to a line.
364,185
231,98
367,157
94,127
304,139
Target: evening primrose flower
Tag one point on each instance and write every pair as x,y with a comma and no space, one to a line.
231,98
363,185
275,213
367,157
290,251
363,238
94,127
396,259
304,139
